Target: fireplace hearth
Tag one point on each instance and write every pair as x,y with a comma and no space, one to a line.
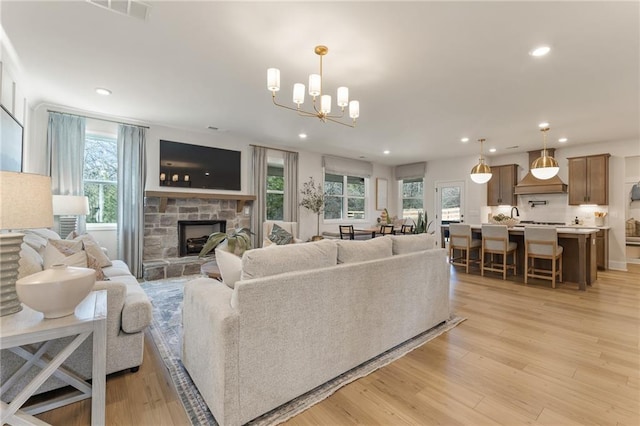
193,234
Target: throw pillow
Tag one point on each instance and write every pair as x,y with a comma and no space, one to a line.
630,227
94,264
350,251
279,235
30,261
403,244
92,248
68,256
36,242
230,267
45,233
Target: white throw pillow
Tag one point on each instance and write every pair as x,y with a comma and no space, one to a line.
230,267
30,261
53,256
350,251
93,249
44,233
403,244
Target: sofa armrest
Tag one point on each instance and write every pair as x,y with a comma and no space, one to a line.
116,295
211,327
137,312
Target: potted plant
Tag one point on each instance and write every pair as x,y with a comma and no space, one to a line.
313,199
421,226
238,241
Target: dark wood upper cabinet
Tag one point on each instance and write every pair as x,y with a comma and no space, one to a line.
589,180
501,186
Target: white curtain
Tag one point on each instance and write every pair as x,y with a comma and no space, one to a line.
259,188
291,207
65,138
132,174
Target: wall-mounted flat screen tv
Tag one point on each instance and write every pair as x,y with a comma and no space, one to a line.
184,165
10,142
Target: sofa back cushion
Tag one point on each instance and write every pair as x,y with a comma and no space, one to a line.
350,251
403,244
288,258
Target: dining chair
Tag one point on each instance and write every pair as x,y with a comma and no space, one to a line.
542,243
386,230
461,239
407,229
346,232
495,241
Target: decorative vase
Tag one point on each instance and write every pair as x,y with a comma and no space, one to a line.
57,291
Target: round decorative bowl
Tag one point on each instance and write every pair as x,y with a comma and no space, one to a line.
511,222
57,291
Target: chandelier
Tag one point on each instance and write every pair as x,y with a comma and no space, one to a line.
323,110
546,166
481,173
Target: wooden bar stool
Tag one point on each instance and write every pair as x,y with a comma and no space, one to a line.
542,243
460,238
386,230
406,229
347,232
495,241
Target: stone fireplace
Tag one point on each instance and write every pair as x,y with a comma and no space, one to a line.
161,253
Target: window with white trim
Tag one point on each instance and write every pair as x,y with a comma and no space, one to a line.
412,198
100,178
345,197
275,191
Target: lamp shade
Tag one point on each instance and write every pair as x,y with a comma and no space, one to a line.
72,205
26,201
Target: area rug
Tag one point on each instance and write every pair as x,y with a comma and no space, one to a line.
166,330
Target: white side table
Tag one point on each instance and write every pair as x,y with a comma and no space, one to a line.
27,327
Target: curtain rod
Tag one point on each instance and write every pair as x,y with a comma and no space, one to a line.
275,149
96,118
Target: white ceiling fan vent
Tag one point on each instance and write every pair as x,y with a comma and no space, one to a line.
133,8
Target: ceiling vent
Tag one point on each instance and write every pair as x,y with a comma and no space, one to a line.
133,8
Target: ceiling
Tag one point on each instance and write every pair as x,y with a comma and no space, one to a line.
426,73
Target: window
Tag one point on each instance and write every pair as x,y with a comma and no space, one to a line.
344,194
101,178
412,197
275,192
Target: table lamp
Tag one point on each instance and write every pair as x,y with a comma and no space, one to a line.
69,207
25,203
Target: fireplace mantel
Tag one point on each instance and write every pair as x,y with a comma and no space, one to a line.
164,195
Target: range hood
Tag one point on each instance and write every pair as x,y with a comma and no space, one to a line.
532,185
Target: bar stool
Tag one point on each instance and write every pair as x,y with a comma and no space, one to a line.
495,240
406,229
386,229
347,232
542,243
460,238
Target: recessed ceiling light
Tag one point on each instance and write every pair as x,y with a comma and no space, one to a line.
386,152
492,150
302,135
540,51
562,140
464,140
102,91
543,124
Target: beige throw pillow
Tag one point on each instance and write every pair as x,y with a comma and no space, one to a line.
230,267
30,261
53,256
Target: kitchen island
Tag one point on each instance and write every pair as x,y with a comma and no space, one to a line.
579,263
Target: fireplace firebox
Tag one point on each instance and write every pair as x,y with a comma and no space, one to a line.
193,234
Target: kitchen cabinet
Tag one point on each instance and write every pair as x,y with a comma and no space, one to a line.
501,186
602,249
589,180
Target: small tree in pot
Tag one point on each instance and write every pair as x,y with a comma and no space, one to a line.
313,199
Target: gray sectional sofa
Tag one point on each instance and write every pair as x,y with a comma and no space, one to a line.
303,314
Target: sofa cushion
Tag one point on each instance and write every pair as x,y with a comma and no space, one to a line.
44,233
117,269
230,266
35,241
70,255
279,235
350,251
292,257
30,261
403,244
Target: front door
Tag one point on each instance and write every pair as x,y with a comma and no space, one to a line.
449,203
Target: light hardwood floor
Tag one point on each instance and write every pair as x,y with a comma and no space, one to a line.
525,355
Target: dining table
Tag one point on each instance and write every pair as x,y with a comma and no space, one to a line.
578,257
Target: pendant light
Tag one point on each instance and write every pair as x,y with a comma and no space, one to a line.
481,173
546,166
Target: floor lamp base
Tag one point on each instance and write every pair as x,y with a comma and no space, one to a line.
9,258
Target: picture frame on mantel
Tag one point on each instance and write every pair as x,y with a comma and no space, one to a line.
381,193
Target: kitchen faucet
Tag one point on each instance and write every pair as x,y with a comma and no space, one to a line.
517,212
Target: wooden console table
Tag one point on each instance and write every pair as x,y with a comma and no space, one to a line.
28,327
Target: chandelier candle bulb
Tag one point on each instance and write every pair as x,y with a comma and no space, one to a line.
354,109
273,79
298,93
325,104
343,97
315,84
